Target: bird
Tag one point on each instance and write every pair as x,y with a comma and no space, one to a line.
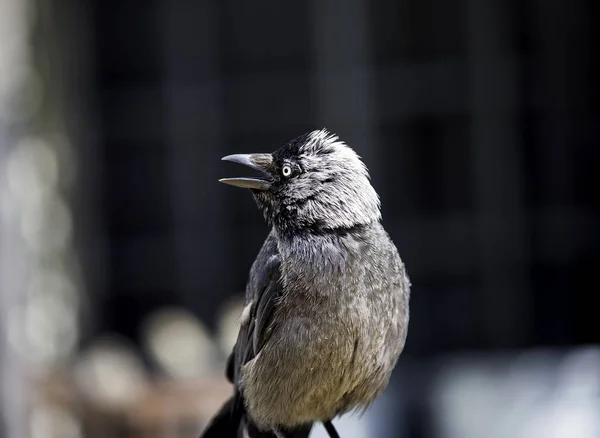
326,308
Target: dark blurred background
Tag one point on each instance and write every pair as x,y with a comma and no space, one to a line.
123,260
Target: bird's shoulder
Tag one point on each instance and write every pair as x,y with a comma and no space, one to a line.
265,269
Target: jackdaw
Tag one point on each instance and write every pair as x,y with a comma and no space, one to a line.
326,309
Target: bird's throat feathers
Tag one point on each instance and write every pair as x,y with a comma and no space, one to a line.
324,214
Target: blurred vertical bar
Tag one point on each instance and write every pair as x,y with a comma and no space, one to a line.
193,96
40,279
497,172
14,54
343,85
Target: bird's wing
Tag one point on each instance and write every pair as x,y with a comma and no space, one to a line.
262,290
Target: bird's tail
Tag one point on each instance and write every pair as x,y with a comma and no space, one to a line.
226,423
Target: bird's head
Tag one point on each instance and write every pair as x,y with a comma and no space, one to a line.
314,183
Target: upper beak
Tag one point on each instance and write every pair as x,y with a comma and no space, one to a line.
260,162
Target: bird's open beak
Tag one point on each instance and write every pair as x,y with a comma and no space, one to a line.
260,162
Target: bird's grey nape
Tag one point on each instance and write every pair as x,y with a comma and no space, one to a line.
331,191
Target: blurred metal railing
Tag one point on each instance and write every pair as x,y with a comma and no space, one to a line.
14,66
40,285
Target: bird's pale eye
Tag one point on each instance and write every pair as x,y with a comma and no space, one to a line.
286,170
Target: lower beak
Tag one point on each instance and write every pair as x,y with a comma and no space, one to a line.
260,162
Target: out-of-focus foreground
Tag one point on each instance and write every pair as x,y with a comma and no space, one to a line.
123,262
